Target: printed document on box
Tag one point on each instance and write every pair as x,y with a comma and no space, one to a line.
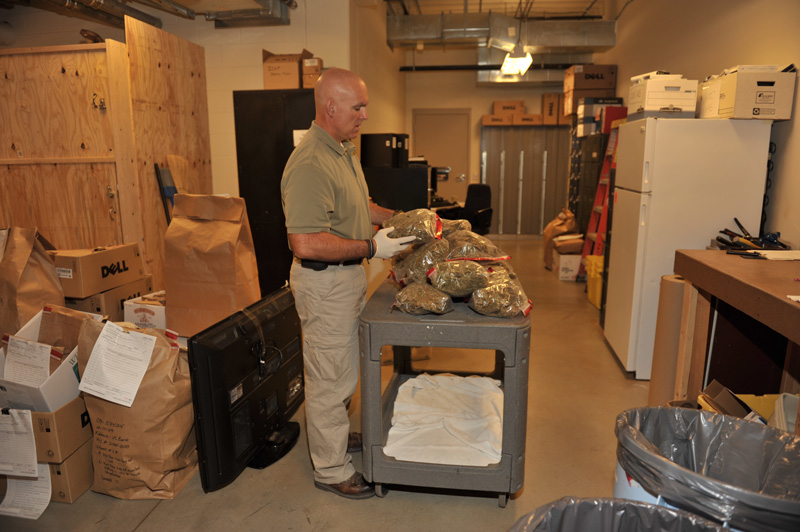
118,363
17,446
28,497
27,362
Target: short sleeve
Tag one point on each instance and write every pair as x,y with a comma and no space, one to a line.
308,199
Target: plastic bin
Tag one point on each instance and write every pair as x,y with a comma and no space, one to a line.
607,515
739,473
594,278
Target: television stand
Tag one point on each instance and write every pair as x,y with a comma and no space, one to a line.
277,445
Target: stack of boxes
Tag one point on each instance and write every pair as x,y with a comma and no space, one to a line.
595,115
504,112
660,94
763,92
588,81
290,71
512,113
100,280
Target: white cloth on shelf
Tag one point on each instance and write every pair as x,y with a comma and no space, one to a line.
446,419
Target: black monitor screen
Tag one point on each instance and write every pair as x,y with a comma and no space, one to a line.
247,381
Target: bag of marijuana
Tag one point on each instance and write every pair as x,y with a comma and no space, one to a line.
503,297
469,245
421,223
415,265
458,278
450,226
422,298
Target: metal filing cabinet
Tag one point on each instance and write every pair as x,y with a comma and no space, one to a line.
462,328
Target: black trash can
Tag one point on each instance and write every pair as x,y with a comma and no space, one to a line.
738,473
610,515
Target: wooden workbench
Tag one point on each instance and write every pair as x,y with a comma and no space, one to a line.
759,288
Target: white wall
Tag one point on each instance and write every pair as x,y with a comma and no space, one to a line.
698,39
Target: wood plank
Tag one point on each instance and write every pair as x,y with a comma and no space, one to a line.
186,179
54,49
170,116
127,184
702,330
58,160
685,343
69,204
50,105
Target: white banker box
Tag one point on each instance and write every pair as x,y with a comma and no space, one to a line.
756,92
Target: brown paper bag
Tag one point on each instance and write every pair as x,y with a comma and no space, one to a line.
147,451
561,224
209,262
28,278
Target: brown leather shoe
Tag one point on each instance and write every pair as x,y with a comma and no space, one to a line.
354,487
354,442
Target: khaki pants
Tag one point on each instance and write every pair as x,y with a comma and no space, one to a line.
328,303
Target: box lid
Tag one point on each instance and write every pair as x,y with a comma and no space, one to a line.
270,57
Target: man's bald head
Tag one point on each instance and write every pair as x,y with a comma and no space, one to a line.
340,97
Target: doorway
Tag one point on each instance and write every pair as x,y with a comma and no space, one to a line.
441,136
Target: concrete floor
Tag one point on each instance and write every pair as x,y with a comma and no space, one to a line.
575,391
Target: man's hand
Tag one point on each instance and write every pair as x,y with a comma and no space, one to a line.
386,248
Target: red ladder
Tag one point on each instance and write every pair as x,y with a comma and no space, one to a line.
594,242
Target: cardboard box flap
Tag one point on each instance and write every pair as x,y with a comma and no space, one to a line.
285,58
207,207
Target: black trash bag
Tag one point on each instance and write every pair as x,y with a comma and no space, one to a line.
423,224
458,278
503,297
414,262
736,472
422,298
610,515
469,245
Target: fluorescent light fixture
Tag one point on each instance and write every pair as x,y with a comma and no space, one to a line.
516,62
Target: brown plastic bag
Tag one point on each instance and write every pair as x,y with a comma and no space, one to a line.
28,278
561,224
147,451
209,261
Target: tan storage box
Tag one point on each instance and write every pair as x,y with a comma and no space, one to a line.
59,434
527,120
581,77
750,93
283,71
497,120
312,68
508,107
148,311
71,478
85,272
111,303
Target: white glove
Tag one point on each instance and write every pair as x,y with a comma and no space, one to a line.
386,248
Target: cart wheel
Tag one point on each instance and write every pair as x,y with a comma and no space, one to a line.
380,490
502,500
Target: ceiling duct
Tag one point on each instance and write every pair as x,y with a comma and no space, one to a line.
547,69
501,31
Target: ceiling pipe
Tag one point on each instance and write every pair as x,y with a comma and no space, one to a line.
171,7
62,6
113,7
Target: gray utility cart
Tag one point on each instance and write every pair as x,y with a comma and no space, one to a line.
462,328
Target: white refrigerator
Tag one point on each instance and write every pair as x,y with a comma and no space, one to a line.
678,182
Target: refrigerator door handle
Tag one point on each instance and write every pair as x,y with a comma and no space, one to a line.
643,216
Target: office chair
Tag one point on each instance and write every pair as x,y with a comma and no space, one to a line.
477,209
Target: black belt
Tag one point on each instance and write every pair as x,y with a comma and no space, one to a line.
319,265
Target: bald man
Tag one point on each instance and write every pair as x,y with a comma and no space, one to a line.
329,221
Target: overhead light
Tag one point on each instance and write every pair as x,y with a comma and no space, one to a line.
516,62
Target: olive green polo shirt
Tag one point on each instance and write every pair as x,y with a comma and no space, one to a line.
323,188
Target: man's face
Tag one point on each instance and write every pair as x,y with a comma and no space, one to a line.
350,111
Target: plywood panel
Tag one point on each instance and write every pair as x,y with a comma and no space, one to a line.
170,117
70,204
50,103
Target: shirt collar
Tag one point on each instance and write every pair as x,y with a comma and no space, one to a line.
345,147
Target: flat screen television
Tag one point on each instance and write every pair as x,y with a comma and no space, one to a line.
247,382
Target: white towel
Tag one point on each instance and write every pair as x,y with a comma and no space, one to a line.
446,419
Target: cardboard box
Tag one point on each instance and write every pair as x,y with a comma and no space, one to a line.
508,107
497,120
659,94
527,120
572,98
148,311
550,110
563,120
756,94
708,98
58,390
59,434
579,77
283,71
111,303
74,476
85,272
591,106
565,267
584,129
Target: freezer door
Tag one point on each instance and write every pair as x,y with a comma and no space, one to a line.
634,155
623,301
